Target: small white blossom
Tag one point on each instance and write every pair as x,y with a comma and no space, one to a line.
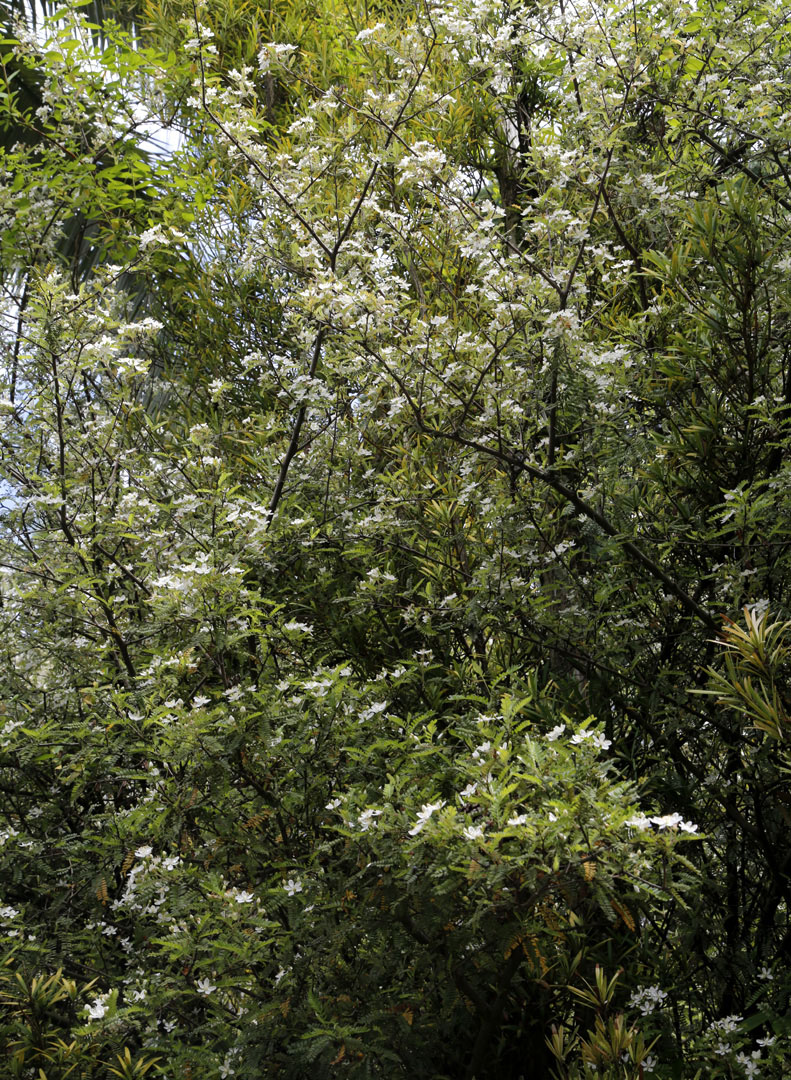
373,710
639,821
596,739
647,999
369,32
368,818
204,986
673,821
97,1009
750,1064
274,52
728,1024
293,886
424,814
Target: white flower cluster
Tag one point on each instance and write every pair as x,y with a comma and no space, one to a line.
595,738
98,1008
423,816
159,236
422,162
274,53
727,1025
647,999
373,710
750,1063
666,821
368,818
370,32
146,862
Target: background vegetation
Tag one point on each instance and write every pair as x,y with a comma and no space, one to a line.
394,540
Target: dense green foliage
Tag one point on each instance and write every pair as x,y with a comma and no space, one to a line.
394,541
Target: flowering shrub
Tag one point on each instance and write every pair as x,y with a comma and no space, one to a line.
386,474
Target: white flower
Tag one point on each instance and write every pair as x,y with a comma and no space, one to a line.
728,1024
596,739
556,732
750,1064
217,387
244,897
560,322
468,791
368,818
293,886
687,826
668,821
425,813
766,973
647,999
639,821
373,710
673,821
204,986
517,819
333,804
154,235
274,52
143,852
649,1063
369,32
298,627
97,1010
473,832
159,235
